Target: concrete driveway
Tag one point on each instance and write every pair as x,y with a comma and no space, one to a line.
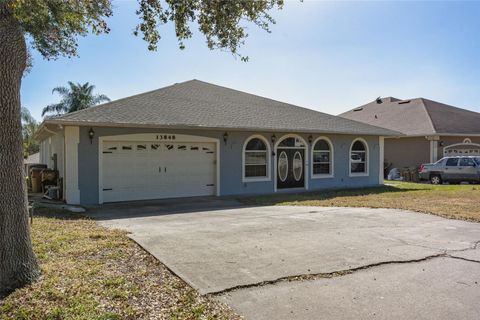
288,262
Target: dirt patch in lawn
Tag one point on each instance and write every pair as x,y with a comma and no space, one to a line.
449,201
89,272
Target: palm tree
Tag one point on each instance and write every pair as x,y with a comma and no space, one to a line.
76,97
29,128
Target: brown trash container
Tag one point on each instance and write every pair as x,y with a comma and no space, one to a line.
414,174
405,173
35,174
30,166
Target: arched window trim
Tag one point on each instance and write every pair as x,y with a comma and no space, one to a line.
367,162
291,135
332,157
269,152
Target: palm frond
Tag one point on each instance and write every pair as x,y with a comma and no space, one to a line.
76,97
57,108
63,91
26,116
99,98
72,85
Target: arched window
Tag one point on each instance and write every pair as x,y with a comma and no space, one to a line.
256,159
322,158
359,157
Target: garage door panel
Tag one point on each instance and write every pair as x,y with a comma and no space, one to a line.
151,170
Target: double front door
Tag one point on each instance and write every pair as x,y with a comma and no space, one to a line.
290,168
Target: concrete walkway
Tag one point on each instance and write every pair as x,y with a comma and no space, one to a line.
312,262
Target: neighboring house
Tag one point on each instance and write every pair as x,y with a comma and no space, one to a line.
431,129
31,160
199,139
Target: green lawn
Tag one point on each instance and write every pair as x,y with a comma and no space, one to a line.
450,201
89,272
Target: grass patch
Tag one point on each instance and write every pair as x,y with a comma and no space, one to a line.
450,201
90,272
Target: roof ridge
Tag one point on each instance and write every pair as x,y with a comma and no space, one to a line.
373,104
450,106
431,104
120,99
424,105
184,82
294,105
262,97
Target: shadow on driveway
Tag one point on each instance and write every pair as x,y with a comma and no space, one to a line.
149,208
160,207
279,198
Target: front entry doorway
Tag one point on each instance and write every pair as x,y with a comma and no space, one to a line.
290,163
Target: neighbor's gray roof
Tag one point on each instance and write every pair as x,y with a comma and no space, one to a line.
417,117
33,158
197,104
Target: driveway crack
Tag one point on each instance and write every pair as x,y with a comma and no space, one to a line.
340,273
461,258
314,276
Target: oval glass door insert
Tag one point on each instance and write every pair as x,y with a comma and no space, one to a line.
282,166
297,166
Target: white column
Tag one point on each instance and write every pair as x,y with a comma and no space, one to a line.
381,152
433,150
72,139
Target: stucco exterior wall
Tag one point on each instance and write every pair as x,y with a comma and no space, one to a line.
231,162
50,146
407,152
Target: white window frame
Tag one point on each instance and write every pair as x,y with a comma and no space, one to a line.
367,161
323,175
268,160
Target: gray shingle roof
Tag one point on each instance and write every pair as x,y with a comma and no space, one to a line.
417,117
197,104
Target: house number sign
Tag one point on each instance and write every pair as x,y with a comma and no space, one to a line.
167,137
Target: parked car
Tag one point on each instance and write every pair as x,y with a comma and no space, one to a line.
452,169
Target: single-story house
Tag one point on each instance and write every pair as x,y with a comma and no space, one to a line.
198,139
431,130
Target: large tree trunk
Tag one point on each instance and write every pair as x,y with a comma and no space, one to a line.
18,265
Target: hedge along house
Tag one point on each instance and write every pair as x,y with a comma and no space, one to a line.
200,139
431,130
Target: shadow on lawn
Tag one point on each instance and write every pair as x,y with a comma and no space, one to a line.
321,195
56,213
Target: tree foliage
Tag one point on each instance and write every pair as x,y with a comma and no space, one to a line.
29,128
219,21
54,25
76,97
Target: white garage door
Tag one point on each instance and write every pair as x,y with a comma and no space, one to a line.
155,170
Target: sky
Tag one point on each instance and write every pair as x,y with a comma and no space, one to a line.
327,56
